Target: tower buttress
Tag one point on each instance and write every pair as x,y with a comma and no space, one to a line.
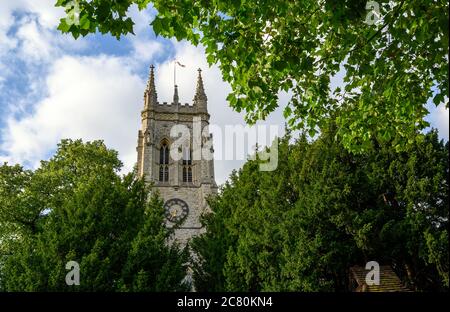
145,138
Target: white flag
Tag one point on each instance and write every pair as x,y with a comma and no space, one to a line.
180,64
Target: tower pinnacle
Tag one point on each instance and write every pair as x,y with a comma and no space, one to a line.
200,91
150,90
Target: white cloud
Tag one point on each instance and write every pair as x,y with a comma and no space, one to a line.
35,41
89,98
146,50
28,34
47,15
142,19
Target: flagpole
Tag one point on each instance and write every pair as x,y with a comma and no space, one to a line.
175,63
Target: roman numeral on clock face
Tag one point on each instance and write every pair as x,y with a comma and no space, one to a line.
176,210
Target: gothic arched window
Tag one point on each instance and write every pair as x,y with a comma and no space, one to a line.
187,164
164,162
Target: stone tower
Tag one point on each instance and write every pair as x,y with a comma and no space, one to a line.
183,181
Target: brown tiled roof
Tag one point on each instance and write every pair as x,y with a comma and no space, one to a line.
389,281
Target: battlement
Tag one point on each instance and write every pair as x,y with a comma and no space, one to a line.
166,107
173,104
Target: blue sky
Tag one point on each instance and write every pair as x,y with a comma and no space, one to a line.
54,87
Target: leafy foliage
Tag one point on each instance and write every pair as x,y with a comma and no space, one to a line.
393,64
301,227
76,207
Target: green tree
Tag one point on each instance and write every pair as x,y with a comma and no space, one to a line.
394,55
323,210
76,207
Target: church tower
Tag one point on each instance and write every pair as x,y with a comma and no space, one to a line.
183,181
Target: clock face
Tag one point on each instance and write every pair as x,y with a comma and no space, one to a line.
176,210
